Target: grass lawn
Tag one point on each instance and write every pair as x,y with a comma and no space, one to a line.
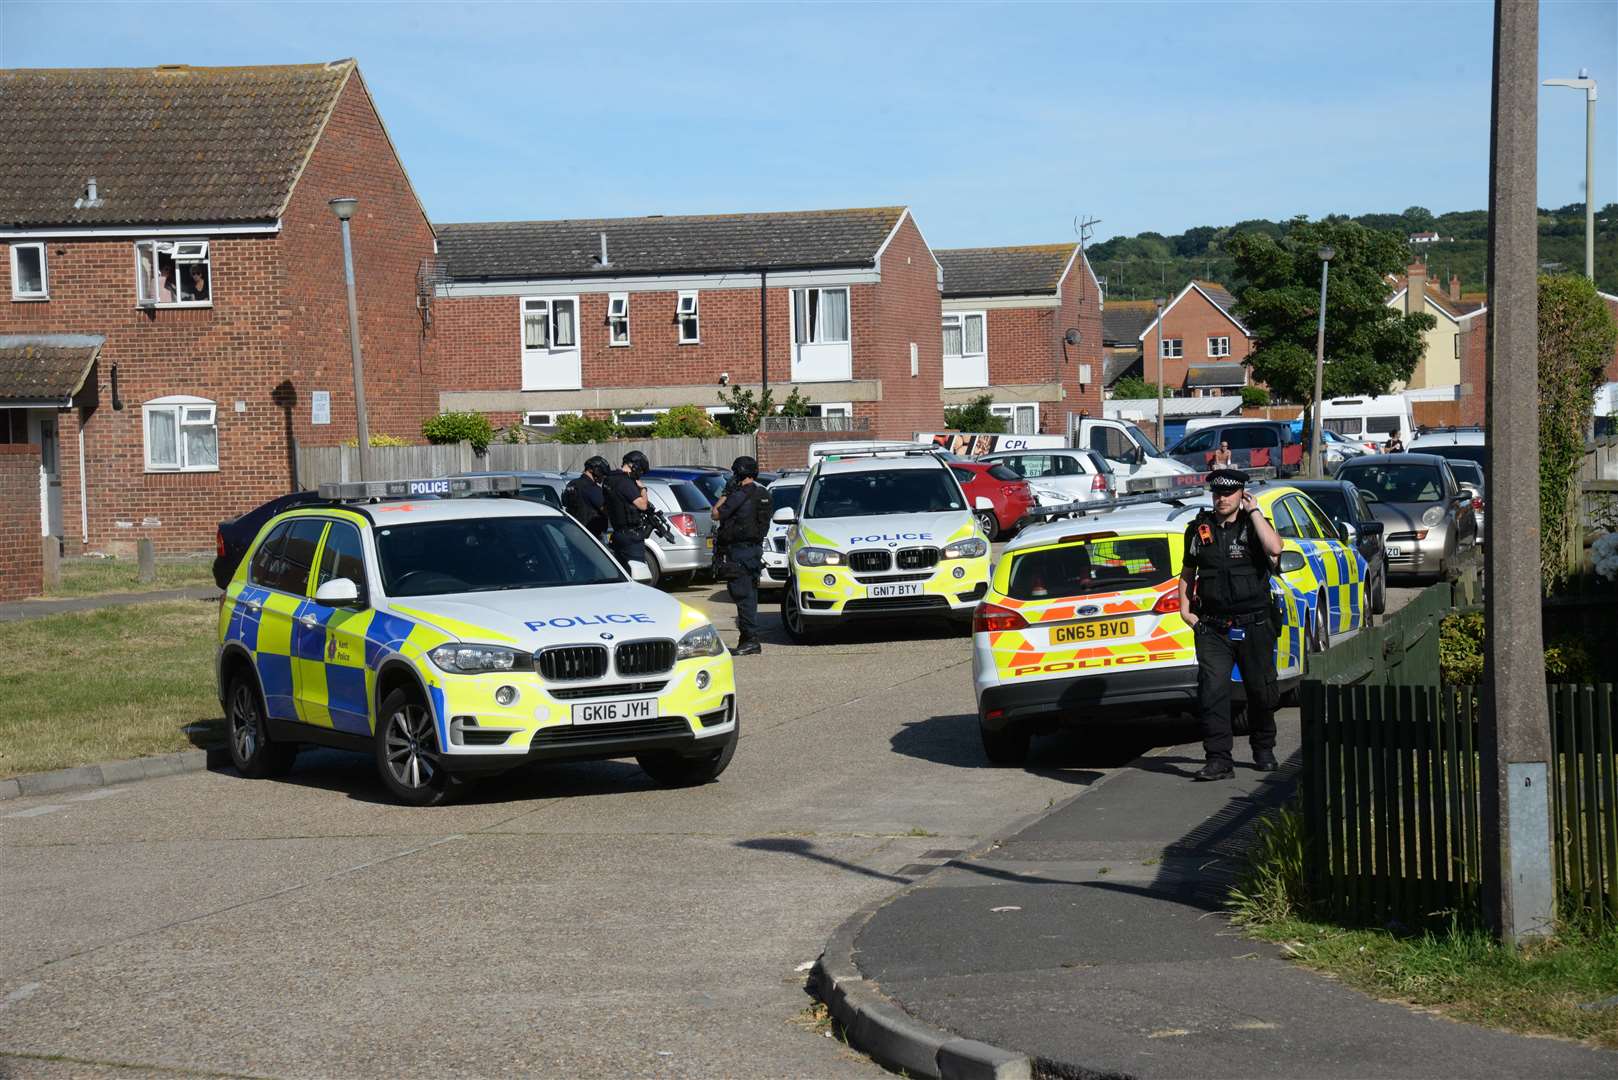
96,686
91,577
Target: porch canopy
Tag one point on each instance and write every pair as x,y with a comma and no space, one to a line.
45,370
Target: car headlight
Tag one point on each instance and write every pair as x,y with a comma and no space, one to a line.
465,659
1433,516
811,556
703,641
973,547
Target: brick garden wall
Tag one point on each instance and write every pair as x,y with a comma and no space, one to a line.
22,569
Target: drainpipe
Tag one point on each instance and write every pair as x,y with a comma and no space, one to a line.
764,331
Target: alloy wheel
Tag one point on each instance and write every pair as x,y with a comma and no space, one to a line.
244,722
412,753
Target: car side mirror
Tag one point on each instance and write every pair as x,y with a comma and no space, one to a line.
784,516
1348,532
638,571
982,503
1291,562
338,592
1468,492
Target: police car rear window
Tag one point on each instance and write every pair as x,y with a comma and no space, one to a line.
461,556
786,495
1089,567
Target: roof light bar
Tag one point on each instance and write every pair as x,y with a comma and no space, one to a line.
1140,491
443,487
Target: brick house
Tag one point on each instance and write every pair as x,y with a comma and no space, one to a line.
1472,395
178,217
632,316
1415,293
1023,325
1202,346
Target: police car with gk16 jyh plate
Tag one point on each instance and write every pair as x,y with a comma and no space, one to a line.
1082,619
881,532
461,636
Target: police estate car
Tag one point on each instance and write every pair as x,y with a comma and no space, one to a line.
458,637
881,532
1082,618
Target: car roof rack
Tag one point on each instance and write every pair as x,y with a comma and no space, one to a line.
1174,490
442,487
874,450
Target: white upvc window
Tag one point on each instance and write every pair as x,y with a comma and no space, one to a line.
1219,346
639,417
687,314
1021,417
173,273
548,419
1171,348
820,316
181,434
28,272
963,334
832,409
550,324
618,318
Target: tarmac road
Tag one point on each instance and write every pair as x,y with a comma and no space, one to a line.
566,920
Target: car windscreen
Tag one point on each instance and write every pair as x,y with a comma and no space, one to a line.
1333,502
787,495
1399,483
489,554
1084,568
690,497
900,491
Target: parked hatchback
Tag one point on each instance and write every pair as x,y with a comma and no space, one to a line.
1011,494
1075,475
1348,510
1426,514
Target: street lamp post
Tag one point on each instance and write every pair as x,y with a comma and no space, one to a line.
1588,85
1326,253
1161,441
343,207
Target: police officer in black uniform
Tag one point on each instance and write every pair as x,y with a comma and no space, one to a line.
743,513
1230,552
586,499
626,509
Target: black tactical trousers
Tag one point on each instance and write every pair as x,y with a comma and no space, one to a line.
628,546
743,589
1216,654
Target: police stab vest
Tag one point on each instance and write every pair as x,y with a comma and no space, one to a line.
1233,573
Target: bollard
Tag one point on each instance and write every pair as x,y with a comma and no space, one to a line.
51,562
148,561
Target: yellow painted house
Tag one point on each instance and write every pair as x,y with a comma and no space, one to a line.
1440,365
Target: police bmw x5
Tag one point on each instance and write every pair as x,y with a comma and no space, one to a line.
881,532
458,637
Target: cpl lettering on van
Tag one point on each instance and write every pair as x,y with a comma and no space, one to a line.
1083,663
565,621
877,538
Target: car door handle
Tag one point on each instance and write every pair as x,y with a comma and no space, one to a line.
253,605
309,621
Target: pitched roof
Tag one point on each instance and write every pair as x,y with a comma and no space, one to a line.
1216,375
1216,295
166,145
1219,295
45,368
1114,368
1123,321
1468,304
481,251
1004,271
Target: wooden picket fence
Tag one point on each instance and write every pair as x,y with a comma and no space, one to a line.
1390,791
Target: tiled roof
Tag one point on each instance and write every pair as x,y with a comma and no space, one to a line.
1123,321
1114,368
1004,271
1216,375
1466,305
1219,295
484,251
165,145
45,367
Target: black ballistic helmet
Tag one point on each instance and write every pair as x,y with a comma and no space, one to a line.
638,463
744,467
597,467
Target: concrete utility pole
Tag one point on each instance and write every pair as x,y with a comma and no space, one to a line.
343,207
1316,465
1518,887
1588,85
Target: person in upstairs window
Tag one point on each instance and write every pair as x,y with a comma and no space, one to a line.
199,283
165,285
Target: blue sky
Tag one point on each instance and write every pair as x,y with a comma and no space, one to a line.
997,123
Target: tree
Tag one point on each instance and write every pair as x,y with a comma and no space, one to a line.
1576,338
685,422
1133,387
1255,397
1369,346
454,427
746,408
974,416
1418,218
1194,241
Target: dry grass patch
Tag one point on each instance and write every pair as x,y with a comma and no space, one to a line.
103,685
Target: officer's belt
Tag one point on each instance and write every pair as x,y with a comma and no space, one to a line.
1225,623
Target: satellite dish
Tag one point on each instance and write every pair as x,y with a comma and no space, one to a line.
1071,337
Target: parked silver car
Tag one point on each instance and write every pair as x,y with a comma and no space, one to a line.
1060,475
1426,514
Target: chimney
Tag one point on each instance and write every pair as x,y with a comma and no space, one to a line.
1416,293
1455,287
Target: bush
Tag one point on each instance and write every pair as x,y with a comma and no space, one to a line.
585,429
746,408
974,416
1255,397
794,405
1460,653
1134,388
381,440
685,422
454,427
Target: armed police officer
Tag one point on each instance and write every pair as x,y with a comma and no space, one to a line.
743,513
627,504
1224,593
585,496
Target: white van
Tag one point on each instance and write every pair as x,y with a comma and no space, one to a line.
1368,419
1129,450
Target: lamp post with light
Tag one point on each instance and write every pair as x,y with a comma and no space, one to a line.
1161,441
1326,253
343,206
1588,85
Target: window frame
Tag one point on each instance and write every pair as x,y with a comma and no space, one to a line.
361,583
960,318
803,333
554,414
44,292
201,252
1218,346
179,405
688,309
617,312
1008,410
524,309
1171,348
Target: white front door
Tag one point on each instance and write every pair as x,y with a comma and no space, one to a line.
44,435
550,343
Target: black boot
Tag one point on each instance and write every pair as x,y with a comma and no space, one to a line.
1214,770
1264,761
747,647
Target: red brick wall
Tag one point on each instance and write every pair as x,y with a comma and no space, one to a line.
1193,320
1081,308
277,329
1474,370
908,309
22,570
